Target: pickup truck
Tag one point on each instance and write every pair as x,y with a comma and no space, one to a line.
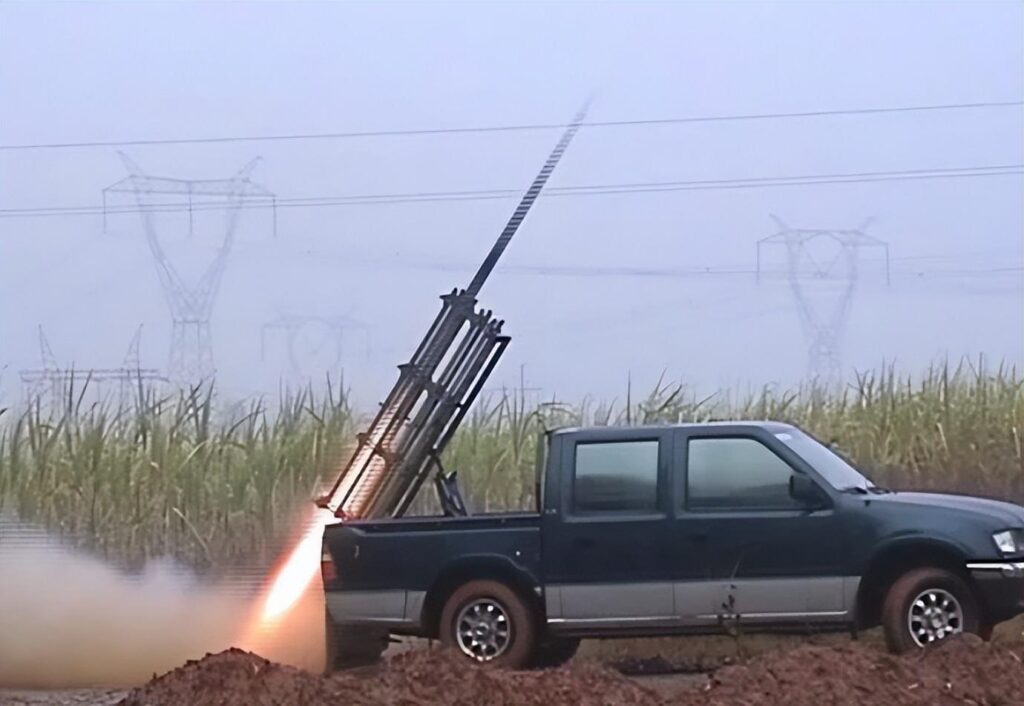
677,530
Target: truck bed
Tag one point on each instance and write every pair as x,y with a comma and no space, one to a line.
386,570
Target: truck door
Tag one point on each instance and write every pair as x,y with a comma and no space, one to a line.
605,529
763,556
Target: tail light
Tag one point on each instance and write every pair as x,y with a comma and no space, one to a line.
327,570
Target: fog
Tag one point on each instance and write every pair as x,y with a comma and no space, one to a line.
594,289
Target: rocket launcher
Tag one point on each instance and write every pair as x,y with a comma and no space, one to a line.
394,456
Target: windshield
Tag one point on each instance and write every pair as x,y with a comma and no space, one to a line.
840,474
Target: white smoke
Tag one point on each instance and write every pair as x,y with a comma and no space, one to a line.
67,619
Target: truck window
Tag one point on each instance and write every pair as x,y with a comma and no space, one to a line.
736,473
616,476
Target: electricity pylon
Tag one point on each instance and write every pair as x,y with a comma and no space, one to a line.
824,322
191,305
56,382
314,344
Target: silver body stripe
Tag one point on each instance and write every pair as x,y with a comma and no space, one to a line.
658,603
399,608
632,600
697,602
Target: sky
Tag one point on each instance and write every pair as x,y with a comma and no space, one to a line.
595,290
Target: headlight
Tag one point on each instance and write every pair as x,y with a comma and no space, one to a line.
1006,541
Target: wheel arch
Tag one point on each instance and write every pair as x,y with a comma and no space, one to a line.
473,568
894,559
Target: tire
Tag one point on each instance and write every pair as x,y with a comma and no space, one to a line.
350,647
938,602
506,624
554,652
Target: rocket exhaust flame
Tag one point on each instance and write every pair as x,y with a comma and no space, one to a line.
285,621
297,572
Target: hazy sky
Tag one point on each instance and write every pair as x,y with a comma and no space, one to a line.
134,71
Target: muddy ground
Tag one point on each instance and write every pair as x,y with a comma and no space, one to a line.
664,684
62,697
962,671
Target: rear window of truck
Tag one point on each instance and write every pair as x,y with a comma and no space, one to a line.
616,476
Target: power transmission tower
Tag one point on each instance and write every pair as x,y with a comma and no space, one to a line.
35,382
188,189
314,345
52,384
191,355
830,257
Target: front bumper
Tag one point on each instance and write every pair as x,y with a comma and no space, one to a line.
1001,586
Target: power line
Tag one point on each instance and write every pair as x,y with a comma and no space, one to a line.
512,128
640,271
498,194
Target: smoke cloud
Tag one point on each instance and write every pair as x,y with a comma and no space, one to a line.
67,619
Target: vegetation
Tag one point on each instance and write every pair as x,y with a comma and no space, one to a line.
174,476
951,429
168,475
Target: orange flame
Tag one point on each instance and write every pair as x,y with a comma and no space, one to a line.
297,572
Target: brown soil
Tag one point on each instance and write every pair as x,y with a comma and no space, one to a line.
234,677
237,678
965,671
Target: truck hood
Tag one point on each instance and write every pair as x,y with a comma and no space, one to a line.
1006,514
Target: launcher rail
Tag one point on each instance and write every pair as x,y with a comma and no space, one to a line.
403,443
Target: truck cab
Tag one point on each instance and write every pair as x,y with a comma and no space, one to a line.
678,529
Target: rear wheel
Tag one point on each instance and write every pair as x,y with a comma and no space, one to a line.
349,647
489,623
927,605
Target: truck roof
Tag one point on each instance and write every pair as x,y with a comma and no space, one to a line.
737,425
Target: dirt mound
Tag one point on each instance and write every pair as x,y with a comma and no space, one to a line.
441,677
962,671
234,677
237,678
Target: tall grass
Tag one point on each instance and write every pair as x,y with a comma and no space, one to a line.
958,429
169,475
173,475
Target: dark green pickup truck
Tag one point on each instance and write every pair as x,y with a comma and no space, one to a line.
677,529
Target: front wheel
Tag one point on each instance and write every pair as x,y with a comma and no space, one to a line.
927,605
489,623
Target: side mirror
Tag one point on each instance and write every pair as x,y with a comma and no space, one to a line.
804,490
